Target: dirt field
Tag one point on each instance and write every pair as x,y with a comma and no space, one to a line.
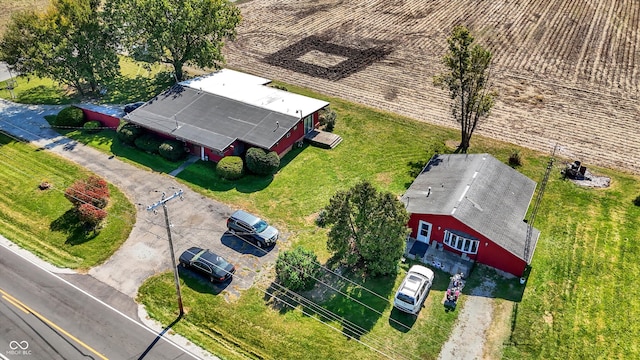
568,72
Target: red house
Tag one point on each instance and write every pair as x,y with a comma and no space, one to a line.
227,112
474,206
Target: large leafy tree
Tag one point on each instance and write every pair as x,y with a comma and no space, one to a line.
179,32
467,79
368,229
67,43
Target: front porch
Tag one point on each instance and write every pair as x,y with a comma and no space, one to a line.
435,256
323,139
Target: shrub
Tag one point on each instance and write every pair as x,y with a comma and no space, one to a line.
128,133
93,190
91,215
328,119
230,168
320,219
70,116
172,150
262,163
514,159
148,142
92,126
297,269
636,202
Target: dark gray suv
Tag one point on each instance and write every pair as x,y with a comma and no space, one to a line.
252,228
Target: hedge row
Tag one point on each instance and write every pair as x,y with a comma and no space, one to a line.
134,135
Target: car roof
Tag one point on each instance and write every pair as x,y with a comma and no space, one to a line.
246,217
416,276
208,256
411,284
421,270
190,253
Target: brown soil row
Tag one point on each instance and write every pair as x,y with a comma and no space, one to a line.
567,72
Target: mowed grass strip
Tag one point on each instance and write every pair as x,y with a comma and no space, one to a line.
107,142
582,296
42,221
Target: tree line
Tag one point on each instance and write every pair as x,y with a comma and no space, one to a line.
77,42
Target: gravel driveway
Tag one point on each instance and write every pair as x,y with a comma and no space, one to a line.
196,221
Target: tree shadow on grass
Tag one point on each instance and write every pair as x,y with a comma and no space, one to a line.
124,89
51,95
335,299
77,232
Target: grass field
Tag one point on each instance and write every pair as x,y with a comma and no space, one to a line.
580,299
43,221
138,82
570,305
573,295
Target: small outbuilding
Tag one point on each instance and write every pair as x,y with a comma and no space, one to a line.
474,206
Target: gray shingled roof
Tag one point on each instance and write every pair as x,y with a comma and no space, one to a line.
480,191
211,120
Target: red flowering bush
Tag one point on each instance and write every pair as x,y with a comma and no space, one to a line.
92,190
91,215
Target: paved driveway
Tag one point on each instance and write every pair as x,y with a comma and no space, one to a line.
196,221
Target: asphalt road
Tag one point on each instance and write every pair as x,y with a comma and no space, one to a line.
43,316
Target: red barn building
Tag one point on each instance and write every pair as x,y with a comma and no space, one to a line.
474,206
227,112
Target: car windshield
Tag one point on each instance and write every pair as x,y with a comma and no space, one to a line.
406,298
261,226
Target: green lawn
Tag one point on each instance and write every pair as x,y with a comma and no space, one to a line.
107,142
581,281
139,82
581,297
42,221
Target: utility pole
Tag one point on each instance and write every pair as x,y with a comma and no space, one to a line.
163,201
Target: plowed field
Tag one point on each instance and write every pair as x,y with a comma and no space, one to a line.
567,72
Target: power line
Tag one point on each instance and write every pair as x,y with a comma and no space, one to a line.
352,331
327,313
348,324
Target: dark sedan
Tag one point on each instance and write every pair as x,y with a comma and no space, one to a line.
204,261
